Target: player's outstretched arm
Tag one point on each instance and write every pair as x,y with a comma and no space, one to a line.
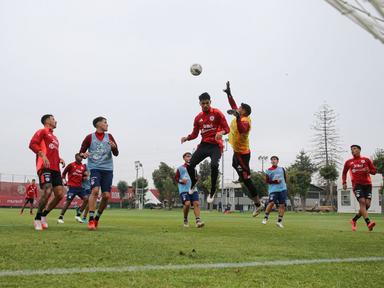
231,101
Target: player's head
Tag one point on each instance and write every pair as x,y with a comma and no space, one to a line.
48,120
78,158
100,123
205,101
355,150
274,160
33,181
187,157
245,109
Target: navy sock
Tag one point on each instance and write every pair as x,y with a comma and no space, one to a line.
367,221
91,215
280,218
357,217
98,215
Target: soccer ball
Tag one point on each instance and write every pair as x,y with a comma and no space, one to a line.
196,69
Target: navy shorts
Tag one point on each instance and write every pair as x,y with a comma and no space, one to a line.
184,197
29,200
75,191
278,197
48,176
102,178
363,191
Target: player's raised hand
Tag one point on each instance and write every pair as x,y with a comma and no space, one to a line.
227,90
84,155
183,139
112,144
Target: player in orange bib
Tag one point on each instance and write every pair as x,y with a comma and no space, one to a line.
239,140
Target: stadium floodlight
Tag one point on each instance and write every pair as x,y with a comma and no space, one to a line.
369,15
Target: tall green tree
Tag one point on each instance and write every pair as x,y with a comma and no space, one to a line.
300,175
122,187
378,161
164,180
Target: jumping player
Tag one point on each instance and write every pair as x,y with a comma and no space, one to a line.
212,125
239,140
184,184
98,147
76,172
360,169
46,147
30,195
276,177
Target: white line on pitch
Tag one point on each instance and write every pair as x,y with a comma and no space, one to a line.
60,271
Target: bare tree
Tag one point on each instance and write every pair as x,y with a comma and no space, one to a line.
327,147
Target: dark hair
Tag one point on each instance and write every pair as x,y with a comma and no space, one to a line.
204,96
78,154
275,157
45,117
34,180
247,108
357,146
186,153
97,120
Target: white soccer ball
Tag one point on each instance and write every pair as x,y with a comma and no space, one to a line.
196,69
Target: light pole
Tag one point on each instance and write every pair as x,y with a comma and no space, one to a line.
262,159
138,196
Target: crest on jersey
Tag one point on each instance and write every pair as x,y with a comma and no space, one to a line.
51,146
362,161
211,118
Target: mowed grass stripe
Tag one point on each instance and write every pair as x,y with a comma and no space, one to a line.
58,271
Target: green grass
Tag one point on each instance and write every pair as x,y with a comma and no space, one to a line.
127,238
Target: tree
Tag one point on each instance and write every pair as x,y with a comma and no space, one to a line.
164,181
142,187
122,186
378,161
300,175
327,147
261,185
204,181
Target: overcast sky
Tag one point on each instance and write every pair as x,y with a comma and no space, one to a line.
129,61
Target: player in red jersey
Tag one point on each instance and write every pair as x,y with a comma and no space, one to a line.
77,172
360,169
30,195
46,147
212,126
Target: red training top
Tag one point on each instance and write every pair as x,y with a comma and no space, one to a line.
44,140
88,139
209,124
75,173
357,169
31,191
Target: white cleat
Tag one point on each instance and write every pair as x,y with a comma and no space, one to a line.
265,220
200,224
210,199
37,225
257,211
78,219
186,225
44,223
60,221
279,224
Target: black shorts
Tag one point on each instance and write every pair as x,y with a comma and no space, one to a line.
363,191
29,200
48,176
240,162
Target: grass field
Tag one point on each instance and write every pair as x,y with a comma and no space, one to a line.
139,238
